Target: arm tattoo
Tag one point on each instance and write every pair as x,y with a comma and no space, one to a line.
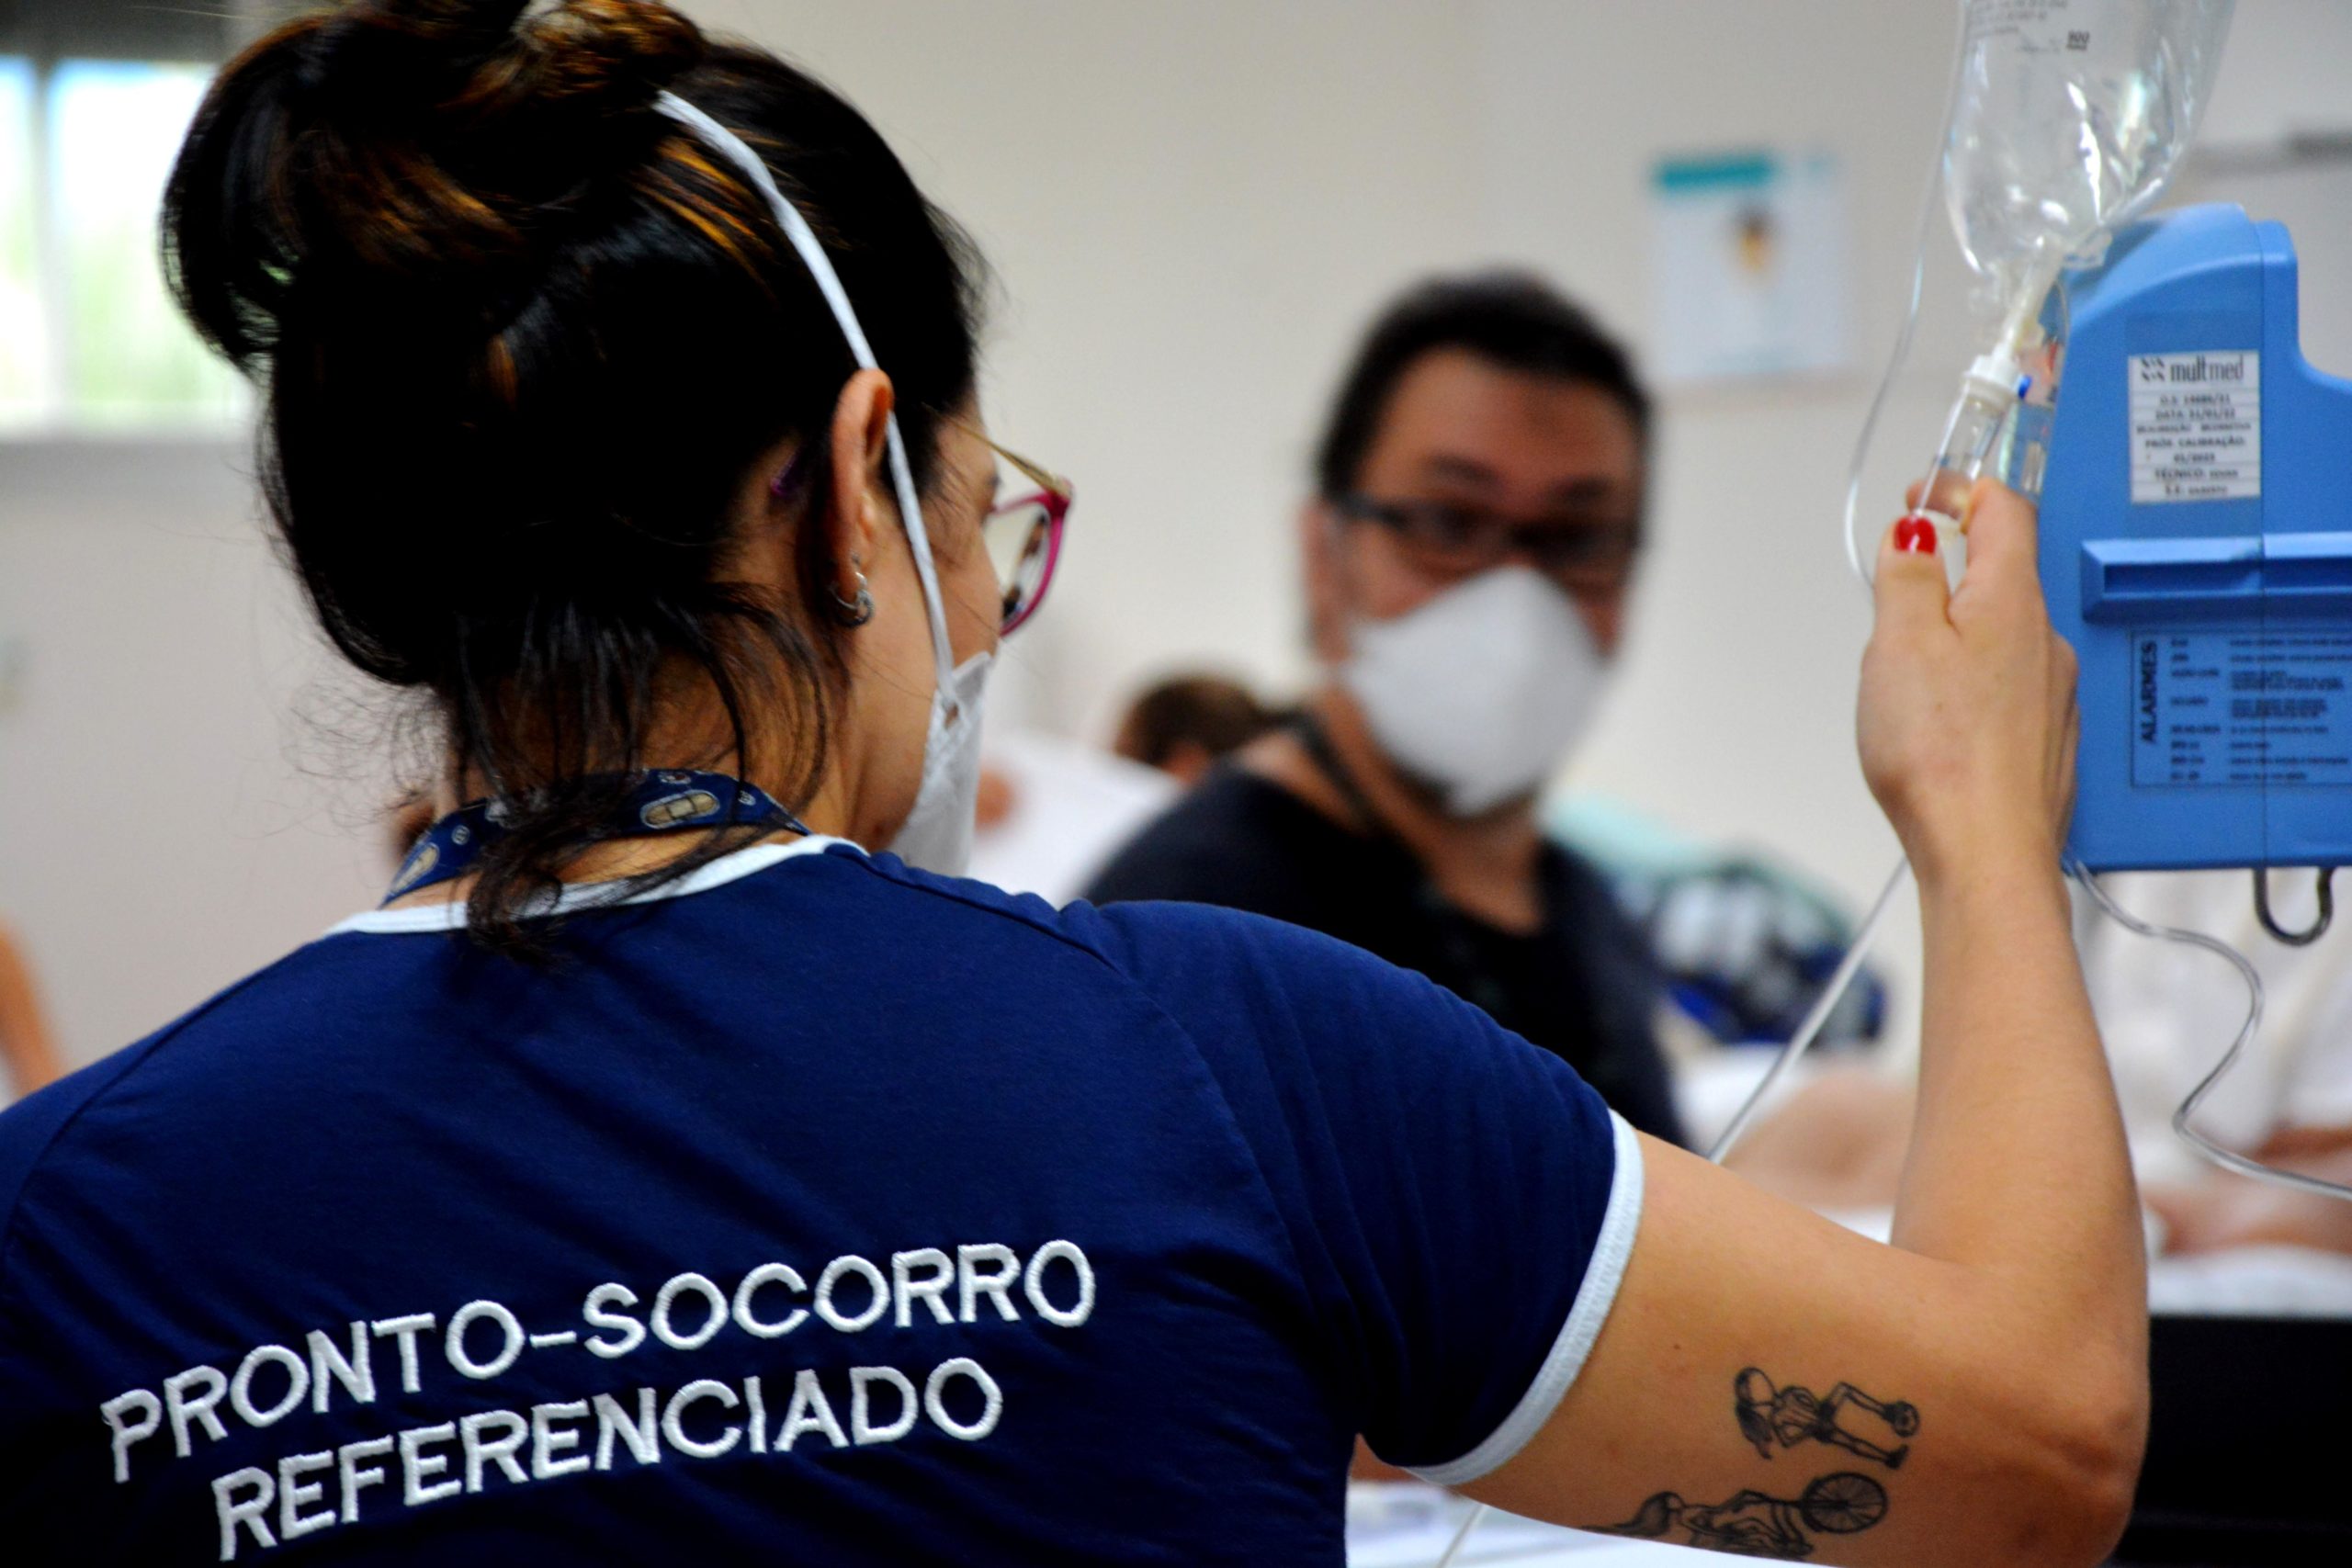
1758,1524
1792,1415
1754,1524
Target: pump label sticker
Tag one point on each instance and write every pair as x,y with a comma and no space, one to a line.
2196,427
2219,709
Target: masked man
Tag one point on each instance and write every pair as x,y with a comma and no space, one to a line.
1468,555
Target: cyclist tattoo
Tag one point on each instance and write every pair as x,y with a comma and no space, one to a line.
1787,1416
1754,1524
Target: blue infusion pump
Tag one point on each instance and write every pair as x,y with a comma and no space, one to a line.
2197,552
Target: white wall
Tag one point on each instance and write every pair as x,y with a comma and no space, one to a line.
1192,206
176,808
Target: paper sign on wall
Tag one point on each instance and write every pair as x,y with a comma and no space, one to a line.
1750,252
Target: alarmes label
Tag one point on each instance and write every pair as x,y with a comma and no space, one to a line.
2218,710
2196,427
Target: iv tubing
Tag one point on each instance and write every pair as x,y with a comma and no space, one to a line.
1886,382
1453,1548
1911,308
1823,1005
2227,1159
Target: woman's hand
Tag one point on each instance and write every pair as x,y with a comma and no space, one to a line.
1968,719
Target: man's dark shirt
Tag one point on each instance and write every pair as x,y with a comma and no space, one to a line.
1583,988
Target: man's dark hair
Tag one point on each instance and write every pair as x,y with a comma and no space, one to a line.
1513,319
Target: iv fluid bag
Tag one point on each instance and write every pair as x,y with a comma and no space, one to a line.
2068,119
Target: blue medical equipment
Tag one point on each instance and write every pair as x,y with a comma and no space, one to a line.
2197,552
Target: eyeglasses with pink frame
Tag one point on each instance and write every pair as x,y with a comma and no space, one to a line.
1023,534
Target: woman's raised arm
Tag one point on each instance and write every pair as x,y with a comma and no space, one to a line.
1976,1393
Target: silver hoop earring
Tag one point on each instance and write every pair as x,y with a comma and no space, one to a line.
853,612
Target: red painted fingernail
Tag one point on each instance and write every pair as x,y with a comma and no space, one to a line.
1915,533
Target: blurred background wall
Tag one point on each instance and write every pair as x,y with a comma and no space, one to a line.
1191,207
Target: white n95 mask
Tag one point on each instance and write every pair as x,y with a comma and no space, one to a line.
937,834
1481,692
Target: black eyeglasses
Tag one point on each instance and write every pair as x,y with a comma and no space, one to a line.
1585,553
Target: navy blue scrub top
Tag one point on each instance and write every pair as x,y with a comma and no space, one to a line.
812,1208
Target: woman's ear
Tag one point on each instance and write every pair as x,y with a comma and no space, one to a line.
857,510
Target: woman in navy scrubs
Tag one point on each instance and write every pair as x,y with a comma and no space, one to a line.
668,1173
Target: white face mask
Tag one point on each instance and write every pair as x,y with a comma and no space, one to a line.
1482,691
937,833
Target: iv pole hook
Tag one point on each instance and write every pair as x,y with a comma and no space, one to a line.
2319,926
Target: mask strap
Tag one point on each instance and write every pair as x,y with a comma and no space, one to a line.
748,164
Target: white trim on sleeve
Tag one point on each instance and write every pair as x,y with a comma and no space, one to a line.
1602,1274
592,894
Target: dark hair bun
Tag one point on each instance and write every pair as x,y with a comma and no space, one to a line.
438,145
522,343
469,55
